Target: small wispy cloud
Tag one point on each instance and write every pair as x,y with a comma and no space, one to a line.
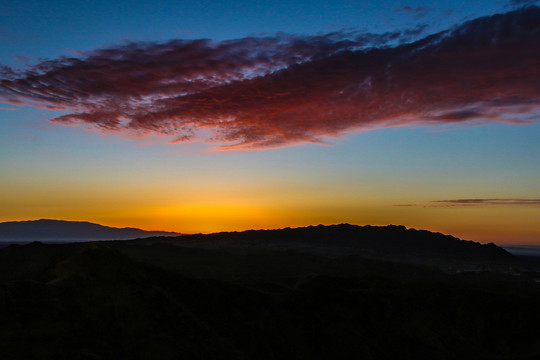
263,92
489,202
523,2
477,202
422,10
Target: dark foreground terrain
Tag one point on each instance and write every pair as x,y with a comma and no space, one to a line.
335,292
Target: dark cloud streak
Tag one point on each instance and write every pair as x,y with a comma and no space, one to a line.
477,202
416,10
276,91
522,2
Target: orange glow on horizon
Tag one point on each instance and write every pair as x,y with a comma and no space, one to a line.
233,203
477,224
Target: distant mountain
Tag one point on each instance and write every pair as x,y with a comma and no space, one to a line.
65,231
523,250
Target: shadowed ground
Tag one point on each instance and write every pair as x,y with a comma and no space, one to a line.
264,296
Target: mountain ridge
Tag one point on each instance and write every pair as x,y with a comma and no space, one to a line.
344,241
51,230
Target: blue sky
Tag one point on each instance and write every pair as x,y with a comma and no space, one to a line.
36,29
359,175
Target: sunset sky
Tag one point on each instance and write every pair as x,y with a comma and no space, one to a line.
203,115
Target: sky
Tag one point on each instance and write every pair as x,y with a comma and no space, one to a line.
205,116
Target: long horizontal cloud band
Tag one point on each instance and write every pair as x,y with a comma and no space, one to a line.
267,92
476,202
467,202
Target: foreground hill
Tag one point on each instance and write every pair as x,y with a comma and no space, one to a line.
342,243
265,295
66,231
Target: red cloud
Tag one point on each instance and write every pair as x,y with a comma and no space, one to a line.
268,92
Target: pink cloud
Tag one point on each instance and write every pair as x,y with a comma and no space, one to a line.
256,93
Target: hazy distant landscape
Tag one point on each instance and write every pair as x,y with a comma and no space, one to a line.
337,291
58,231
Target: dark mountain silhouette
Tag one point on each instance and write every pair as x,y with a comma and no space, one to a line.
268,295
392,243
64,231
